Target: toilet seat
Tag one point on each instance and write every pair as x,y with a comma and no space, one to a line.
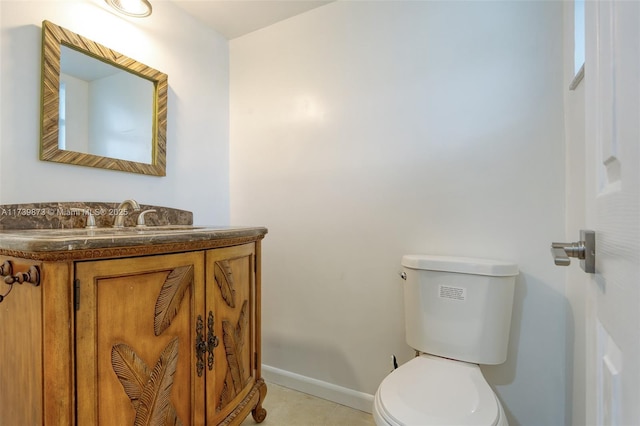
429,390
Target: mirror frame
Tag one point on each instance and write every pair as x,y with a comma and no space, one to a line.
54,36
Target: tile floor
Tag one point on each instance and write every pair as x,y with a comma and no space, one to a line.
286,407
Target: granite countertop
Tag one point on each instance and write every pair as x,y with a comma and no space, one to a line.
62,215
54,240
38,232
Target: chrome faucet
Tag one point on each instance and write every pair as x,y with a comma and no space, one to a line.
122,211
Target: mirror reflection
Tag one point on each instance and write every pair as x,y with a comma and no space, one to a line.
104,110
99,107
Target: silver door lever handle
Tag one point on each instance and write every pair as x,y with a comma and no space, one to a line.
563,251
585,250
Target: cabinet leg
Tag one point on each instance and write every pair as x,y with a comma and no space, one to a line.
259,413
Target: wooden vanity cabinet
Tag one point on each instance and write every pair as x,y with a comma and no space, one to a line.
135,339
163,339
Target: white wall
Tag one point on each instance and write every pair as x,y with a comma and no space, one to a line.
361,131
196,61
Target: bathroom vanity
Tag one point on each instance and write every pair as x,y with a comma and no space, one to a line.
151,325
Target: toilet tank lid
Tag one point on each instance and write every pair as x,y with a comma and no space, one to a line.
463,265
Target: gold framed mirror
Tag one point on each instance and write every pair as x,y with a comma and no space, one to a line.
100,108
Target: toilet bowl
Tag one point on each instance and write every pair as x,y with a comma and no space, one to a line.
457,315
430,390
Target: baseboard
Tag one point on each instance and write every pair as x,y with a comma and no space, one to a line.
345,396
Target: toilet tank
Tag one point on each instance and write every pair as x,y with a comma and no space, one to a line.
459,308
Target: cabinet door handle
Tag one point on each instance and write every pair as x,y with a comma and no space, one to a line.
201,346
205,346
212,340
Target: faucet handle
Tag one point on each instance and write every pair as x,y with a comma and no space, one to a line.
141,222
91,220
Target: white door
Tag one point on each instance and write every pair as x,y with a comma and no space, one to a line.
612,98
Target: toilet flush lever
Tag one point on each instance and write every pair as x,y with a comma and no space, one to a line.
585,250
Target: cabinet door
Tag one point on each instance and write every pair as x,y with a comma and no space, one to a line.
230,288
136,328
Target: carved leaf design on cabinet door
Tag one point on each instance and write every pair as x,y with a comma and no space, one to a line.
131,370
149,391
170,297
155,401
234,340
224,278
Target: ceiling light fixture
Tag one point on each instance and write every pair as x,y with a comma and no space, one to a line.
135,8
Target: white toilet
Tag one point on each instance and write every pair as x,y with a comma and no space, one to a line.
457,315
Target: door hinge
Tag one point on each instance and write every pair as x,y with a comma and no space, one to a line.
76,294
255,360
